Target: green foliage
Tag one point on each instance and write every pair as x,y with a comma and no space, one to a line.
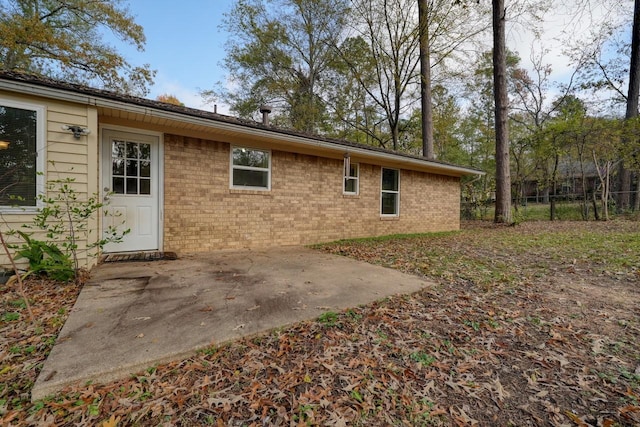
10,316
353,315
64,40
45,259
540,212
328,318
19,303
422,358
276,54
355,394
63,219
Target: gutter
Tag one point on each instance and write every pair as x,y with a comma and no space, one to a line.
212,123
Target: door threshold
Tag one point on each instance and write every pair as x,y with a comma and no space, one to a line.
138,256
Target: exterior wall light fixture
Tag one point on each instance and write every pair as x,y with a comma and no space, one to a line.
77,131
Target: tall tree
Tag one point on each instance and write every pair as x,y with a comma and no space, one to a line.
389,29
632,108
602,59
354,115
392,33
425,81
63,39
634,68
503,173
277,53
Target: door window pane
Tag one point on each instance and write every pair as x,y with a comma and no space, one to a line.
132,150
145,169
145,186
132,186
117,167
132,168
117,150
145,151
128,171
118,185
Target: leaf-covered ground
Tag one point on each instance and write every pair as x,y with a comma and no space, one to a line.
537,324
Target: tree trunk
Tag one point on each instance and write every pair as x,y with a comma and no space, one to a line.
596,215
624,175
583,180
624,187
636,204
503,174
425,81
554,187
606,192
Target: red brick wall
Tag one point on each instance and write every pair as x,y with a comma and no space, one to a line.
305,204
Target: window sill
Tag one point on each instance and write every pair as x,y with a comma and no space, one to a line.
264,192
27,210
390,218
350,196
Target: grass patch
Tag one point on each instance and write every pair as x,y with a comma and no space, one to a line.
490,259
386,238
328,318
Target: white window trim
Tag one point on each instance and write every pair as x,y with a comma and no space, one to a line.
356,178
249,168
391,192
41,154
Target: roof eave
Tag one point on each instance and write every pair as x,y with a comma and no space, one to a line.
212,123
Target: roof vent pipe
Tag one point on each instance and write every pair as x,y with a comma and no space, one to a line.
265,110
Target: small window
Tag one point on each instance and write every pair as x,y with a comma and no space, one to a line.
390,194
21,167
351,179
250,168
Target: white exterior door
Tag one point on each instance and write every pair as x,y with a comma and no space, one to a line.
131,189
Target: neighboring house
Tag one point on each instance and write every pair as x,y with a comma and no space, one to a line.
187,180
573,180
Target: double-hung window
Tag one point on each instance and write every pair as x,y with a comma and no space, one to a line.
390,194
351,179
250,168
21,153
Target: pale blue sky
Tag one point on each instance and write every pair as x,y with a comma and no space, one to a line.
184,44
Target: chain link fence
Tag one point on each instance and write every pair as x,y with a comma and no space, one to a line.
564,206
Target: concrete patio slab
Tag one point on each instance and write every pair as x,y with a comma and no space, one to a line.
134,315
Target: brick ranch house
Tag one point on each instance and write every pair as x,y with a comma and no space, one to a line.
187,180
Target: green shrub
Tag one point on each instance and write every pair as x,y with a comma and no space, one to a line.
45,259
63,218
